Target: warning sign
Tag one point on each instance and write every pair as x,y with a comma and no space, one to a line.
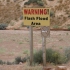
36,16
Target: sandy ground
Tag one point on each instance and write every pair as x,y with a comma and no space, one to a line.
15,43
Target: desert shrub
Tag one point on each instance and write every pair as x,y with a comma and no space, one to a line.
39,2
27,3
3,26
55,27
1,62
69,15
52,13
18,60
67,53
55,57
51,57
68,27
24,59
63,59
9,63
38,57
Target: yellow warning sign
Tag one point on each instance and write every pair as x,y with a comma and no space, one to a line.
36,16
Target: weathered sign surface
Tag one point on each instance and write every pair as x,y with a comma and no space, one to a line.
45,31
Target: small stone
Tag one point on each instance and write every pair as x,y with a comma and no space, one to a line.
20,63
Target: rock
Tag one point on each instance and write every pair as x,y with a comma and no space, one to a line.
61,68
20,63
9,28
16,25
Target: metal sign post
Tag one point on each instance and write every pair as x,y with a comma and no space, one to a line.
44,50
31,45
45,32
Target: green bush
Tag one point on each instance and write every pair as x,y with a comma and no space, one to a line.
4,62
67,53
9,63
39,2
52,13
38,57
68,27
55,27
18,60
69,15
24,60
33,1
27,3
3,26
51,57
1,62
63,59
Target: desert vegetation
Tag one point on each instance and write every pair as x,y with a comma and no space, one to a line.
14,42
